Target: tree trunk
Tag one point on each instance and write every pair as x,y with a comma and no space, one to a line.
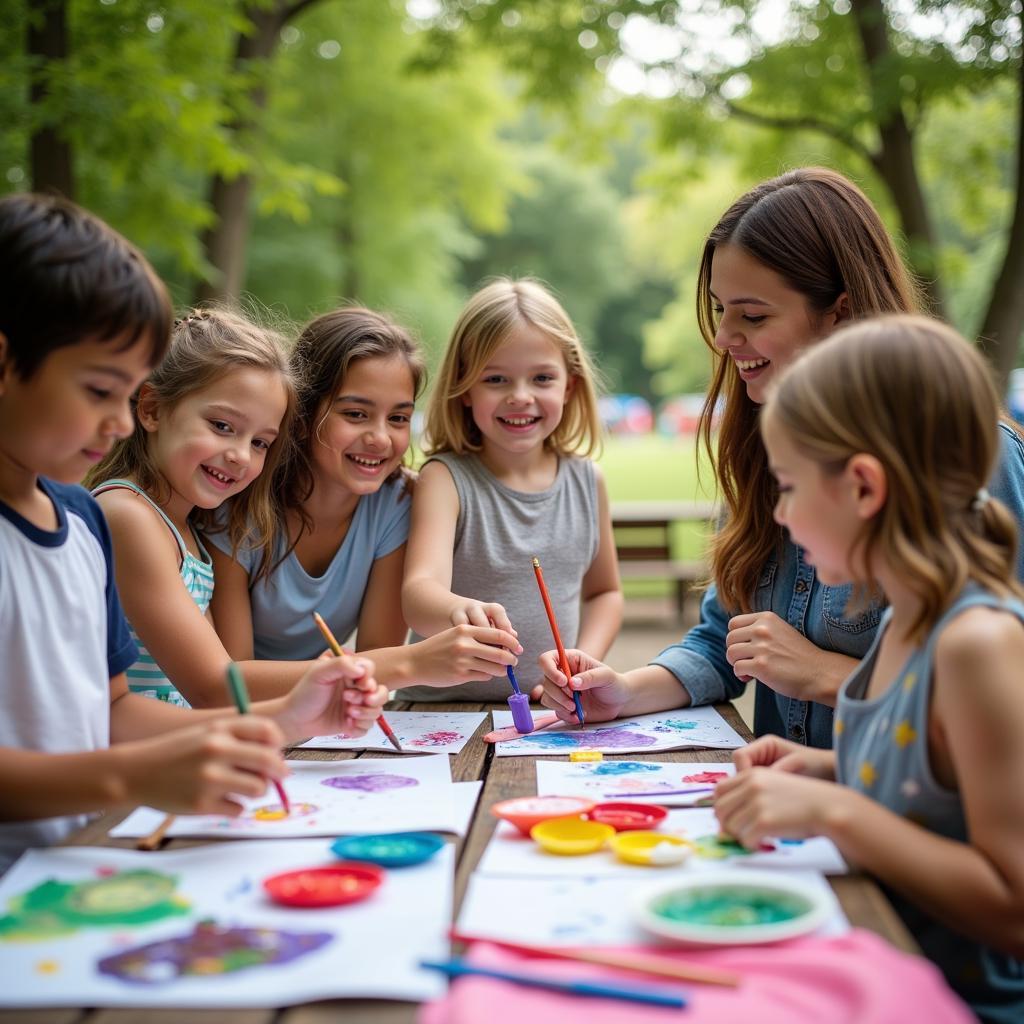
224,243
1001,329
51,167
894,161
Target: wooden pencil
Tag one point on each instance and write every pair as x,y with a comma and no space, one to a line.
157,836
660,966
563,661
337,651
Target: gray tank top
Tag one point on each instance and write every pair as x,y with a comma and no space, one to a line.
882,751
498,534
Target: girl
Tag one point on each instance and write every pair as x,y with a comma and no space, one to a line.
928,734
787,264
207,425
343,503
510,426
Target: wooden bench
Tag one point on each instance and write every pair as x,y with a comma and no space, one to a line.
643,540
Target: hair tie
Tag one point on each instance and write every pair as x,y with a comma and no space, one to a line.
981,499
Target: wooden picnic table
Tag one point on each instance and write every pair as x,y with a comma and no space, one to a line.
503,777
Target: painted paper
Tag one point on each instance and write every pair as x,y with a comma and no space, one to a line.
194,928
333,798
668,783
647,734
582,911
419,732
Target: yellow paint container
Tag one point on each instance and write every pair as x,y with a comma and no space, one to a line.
652,849
571,837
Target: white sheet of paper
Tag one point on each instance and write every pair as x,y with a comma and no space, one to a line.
582,911
419,732
604,781
354,797
369,949
642,734
511,854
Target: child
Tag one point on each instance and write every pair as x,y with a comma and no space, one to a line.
510,425
788,263
882,440
83,319
207,426
342,514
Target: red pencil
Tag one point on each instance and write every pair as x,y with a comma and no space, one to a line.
337,650
563,661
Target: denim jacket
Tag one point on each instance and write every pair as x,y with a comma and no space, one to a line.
789,588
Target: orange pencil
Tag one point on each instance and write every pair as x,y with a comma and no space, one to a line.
338,652
563,661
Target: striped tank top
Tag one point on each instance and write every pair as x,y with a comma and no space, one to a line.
146,676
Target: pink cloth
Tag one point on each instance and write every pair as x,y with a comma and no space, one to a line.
854,979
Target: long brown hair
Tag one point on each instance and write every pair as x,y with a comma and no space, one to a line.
933,425
822,236
205,345
320,359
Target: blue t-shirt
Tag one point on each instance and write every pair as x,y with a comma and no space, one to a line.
790,588
283,603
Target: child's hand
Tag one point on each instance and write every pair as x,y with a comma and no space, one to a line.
759,803
200,769
481,613
463,653
603,691
335,695
785,756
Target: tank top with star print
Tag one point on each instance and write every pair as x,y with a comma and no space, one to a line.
881,747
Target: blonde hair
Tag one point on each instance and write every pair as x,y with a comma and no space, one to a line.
485,324
914,394
205,345
821,235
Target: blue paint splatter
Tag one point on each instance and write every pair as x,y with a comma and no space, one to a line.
675,724
624,768
607,738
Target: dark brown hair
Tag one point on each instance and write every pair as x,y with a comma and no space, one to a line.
66,277
320,359
821,235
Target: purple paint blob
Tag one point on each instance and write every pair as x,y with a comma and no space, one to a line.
625,768
377,783
436,739
191,955
616,738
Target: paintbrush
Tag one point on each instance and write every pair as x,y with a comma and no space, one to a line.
337,651
638,962
563,661
240,695
156,837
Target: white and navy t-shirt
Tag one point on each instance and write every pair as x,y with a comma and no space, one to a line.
63,636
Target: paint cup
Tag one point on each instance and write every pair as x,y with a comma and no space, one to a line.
650,848
521,717
569,837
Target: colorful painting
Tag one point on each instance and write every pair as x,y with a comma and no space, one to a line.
674,730
334,798
419,732
114,899
209,949
194,928
673,784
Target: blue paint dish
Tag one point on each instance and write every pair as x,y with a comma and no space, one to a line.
389,850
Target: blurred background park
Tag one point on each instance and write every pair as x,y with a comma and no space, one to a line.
295,154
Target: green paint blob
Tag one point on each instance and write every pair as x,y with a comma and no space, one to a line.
730,907
60,908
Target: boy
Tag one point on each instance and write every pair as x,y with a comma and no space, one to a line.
83,319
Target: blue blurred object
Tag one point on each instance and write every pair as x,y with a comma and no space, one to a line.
626,414
389,850
1015,395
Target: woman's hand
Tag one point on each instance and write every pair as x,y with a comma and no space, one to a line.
602,690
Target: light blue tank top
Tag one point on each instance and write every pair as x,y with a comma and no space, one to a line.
146,676
882,751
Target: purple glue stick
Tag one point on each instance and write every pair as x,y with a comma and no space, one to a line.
519,703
